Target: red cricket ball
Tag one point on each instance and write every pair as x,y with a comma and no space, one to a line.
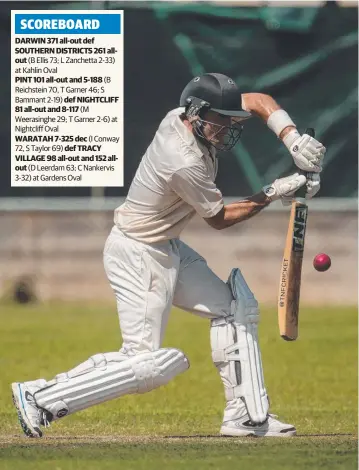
322,262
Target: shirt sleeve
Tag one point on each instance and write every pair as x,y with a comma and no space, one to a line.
194,186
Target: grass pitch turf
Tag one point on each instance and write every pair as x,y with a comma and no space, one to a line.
312,384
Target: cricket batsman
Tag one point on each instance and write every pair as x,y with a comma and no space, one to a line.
150,268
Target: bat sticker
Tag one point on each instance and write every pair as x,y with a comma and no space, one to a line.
300,222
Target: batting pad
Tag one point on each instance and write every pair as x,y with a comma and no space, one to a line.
236,353
109,375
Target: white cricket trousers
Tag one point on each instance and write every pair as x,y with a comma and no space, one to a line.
148,279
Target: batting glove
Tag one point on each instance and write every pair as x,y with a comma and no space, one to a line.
285,188
307,152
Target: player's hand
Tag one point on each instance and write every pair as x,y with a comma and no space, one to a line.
285,188
313,185
307,152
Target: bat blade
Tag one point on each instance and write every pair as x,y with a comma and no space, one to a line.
291,272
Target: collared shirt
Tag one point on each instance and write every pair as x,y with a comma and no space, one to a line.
174,180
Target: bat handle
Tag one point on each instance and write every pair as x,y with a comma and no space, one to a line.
302,191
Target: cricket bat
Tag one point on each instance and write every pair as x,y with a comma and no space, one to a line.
291,272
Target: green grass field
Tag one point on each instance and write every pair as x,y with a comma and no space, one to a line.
312,384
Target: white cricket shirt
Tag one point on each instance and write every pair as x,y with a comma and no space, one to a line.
174,180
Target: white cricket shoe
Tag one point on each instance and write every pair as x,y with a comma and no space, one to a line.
272,427
31,416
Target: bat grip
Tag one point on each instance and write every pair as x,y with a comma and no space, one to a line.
303,190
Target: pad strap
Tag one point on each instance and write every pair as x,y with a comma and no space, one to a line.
234,392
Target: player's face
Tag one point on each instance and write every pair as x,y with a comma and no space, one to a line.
216,127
